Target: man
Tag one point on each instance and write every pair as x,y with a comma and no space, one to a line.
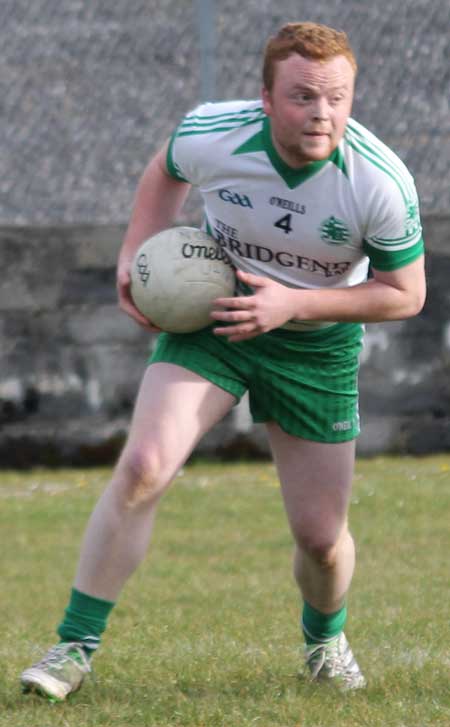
303,198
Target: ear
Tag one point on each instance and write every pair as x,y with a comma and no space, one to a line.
266,101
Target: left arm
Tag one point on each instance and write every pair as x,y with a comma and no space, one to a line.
389,295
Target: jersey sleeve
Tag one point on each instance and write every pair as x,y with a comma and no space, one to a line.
394,233
185,149
172,167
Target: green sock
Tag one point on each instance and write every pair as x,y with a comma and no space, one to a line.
85,620
319,627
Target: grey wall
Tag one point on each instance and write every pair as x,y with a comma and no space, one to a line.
71,362
89,92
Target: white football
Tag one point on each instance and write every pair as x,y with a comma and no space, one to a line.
176,275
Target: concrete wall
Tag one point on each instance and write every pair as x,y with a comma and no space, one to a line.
71,363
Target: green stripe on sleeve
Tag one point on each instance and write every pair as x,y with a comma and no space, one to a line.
225,114
385,260
172,168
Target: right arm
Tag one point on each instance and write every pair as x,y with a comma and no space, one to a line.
159,199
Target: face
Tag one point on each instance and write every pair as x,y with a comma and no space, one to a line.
309,104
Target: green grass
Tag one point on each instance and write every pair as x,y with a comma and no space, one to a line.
206,632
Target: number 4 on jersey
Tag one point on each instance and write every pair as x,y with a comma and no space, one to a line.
284,223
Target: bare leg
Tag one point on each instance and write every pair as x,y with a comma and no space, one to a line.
316,484
174,408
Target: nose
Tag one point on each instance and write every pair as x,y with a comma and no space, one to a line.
321,108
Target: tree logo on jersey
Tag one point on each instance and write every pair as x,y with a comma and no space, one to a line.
334,231
412,219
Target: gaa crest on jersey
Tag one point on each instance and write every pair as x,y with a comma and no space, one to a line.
334,231
242,199
412,219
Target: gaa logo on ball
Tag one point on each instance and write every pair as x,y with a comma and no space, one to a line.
143,269
176,275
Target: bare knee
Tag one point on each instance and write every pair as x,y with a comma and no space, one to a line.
319,547
141,476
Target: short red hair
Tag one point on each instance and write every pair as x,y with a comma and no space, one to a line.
310,40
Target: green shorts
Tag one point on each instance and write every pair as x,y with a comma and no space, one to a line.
306,382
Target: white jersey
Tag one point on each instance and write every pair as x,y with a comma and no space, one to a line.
319,226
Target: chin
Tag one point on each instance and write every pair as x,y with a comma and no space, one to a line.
317,156
317,150
298,157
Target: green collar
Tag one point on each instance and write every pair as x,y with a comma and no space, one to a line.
262,141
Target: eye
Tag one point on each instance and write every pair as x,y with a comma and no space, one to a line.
302,98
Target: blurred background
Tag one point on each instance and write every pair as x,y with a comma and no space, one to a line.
89,91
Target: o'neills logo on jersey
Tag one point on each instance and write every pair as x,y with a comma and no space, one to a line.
288,204
242,199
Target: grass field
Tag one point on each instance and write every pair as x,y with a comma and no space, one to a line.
206,633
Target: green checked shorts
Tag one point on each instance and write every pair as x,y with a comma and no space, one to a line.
306,382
